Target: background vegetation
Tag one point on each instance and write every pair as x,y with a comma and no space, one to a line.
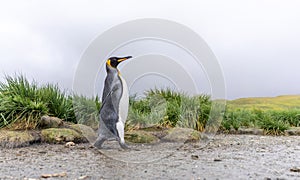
22,103
274,114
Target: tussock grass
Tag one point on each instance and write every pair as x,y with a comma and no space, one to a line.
167,108
58,103
87,110
274,122
23,103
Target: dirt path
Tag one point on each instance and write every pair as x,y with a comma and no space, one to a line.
227,157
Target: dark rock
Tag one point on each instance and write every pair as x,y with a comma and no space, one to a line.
217,160
50,122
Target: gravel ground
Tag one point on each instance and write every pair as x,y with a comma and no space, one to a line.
226,157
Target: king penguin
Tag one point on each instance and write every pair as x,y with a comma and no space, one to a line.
115,101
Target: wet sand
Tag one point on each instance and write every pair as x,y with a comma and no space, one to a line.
226,157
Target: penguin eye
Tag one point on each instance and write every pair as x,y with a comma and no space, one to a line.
113,59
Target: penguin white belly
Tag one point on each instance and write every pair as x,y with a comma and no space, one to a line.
123,111
124,102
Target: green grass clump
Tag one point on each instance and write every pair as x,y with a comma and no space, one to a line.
195,112
23,103
239,118
172,101
167,108
272,125
59,104
87,110
291,117
272,121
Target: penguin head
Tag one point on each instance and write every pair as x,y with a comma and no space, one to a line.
115,61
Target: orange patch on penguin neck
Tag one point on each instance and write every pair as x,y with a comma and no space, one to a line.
108,62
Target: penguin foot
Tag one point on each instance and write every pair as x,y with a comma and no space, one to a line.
96,145
124,146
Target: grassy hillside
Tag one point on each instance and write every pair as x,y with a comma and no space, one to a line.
274,114
279,103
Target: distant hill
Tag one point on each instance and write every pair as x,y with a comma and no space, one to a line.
287,102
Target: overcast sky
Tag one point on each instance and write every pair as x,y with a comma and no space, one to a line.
257,42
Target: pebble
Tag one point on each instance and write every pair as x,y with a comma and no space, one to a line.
217,160
46,175
295,169
194,157
63,174
84,177
70,144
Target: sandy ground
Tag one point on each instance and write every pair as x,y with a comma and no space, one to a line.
226,157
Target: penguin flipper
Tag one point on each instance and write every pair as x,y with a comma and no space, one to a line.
109,120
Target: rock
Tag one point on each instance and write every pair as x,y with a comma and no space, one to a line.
46,175
140,136
85,131
294,131
50,122
217,160
194,157
295,169
12,139
70,144
84,177
259,132
232,130
253,131
61,135
63,174
181,135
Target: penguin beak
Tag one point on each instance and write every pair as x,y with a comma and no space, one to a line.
124,58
